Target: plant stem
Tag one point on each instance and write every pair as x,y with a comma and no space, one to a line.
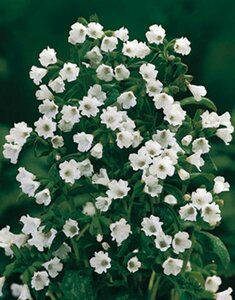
51,296
75,249
153,286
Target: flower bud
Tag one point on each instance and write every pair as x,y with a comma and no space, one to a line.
187,140
184,175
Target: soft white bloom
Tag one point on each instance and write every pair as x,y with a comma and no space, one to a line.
181,242
133,264
65,126
57,141
40,280
188,213
7,239
121,72
86,168
105,72
164,137
97,150
153,148
142,50
45,127
148,71
201,144
170,199
163,100
220,185
18,134
201,197
111,117
105,246
11,152
127,100
88,209
69,171
89,106
122,34
83,140
95,91
42,240
136,138
174,114
163,241
172,266
30,224
196,160
53,267
211,213
57,85
27,182
77,34
70,228
100,262
101,177
44,93
212,283
210,120
186,140
225,134
120,231
198,91
94,56
47,57
130,48
37,74
118,189
21,292
124,139
182,46
139,161
95,30
154,87
184,175
162,167
48,108
152,186
69,72
43,197
156,34
103,203
70,114
225,295
151,226
63,251
109,43
15,289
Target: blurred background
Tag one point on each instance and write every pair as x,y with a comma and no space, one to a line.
28,26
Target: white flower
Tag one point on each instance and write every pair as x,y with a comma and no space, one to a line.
109,43
152,186
42,240
148,71
121,72
95,30
111,117
198,91
212,283
89,106
201,197
210,120
163,241
154,87
136,139
163,100
11,152
94,56
220,185
139,161
30,224
186,140
120,231
174,114
122,34
44,93
127,100
100,262
151,226
181,242
69,171
101,177
77,34
53,267
118,189
133,264
225,134
97,150
47,57
184,175
19,134
69,72
21,292
96,92
164,137
57,85
182,46
85,167
172,266
7,239
124,139
130,48
62,251
162,167
196,160
43,197
45,127
70,228
152,148
57,141
103,203
70,114
201,144
142,50
48,108
105,72
83,140
40,280
188,213
156,34
225,295
211,214
37,74
65,126
27,182
16,289
88,209
170,199
2,281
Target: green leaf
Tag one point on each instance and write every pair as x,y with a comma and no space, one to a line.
85,48
204,102
214,249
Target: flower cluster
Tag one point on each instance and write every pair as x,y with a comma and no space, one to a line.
125,189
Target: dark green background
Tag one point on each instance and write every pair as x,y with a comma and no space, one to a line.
28,26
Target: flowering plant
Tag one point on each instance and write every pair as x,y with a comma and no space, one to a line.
130,191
